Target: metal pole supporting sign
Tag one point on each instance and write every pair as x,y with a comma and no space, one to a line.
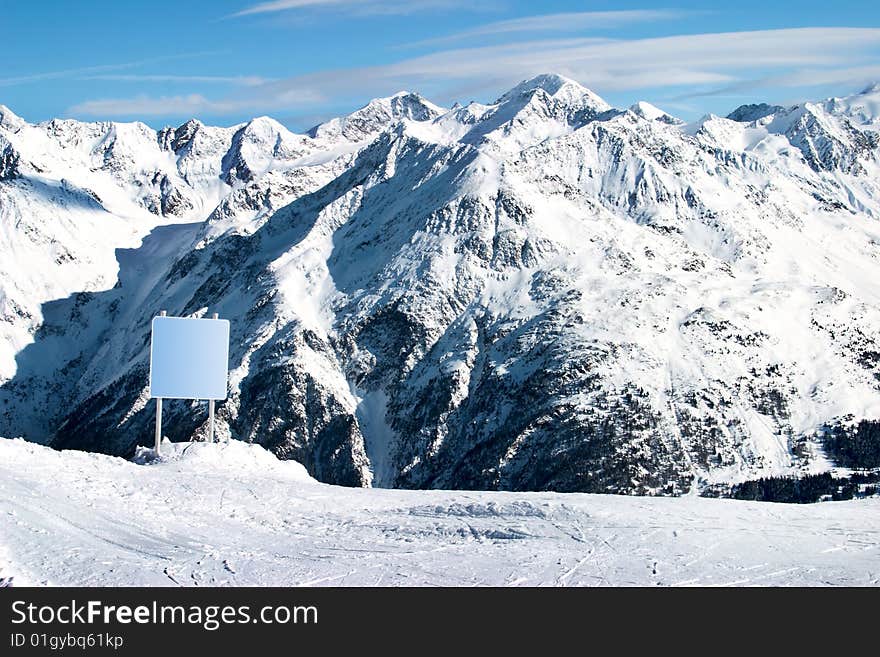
211,408
189,358
158,403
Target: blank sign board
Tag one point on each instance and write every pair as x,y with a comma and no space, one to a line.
189,358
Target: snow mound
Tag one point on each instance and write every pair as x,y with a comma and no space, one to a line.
233,455
195,457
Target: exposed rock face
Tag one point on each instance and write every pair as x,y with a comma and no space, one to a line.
753,112
544,293
9,161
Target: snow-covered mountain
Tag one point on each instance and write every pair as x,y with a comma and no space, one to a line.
540,293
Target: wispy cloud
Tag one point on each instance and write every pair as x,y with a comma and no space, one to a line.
284,5
605,65
856,75
852,76
361,7
190,105
76,73
565,22
237,80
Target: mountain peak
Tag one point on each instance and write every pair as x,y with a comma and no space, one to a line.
191,124
753,112
559,87
549,82
265,125
863,108
9,119
397,102
410,105
653,113
178,138
376,114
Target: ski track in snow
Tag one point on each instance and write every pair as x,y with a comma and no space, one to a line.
234,515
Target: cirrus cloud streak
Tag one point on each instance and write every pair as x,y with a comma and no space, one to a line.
605,65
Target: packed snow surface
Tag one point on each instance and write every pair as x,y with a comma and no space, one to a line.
232,514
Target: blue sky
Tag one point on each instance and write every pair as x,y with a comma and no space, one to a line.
303,61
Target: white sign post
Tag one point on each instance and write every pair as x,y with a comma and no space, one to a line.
189,359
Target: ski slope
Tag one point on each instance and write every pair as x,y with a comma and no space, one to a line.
235,515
